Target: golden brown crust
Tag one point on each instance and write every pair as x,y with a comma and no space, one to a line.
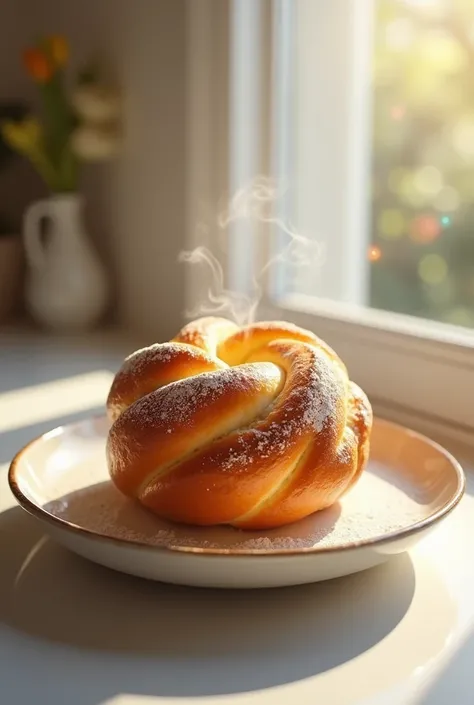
156,366
255,427
207,333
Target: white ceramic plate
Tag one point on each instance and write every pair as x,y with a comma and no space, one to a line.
409,486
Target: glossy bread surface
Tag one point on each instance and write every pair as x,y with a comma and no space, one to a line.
255,427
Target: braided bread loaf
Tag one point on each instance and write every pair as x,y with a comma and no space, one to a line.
256,427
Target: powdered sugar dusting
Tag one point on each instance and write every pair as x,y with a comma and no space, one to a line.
138,361
178,401
310,405
377,506
320,398
322,388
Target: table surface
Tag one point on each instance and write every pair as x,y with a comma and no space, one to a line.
75,633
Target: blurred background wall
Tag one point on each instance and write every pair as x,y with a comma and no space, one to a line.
135,204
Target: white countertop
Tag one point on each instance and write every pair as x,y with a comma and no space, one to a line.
73,633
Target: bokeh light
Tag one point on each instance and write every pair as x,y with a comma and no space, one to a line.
391,224
432,269
374,253
428,180
397,112
441,53
423,159
425,229
409,193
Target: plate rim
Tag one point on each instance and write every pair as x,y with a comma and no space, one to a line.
70,527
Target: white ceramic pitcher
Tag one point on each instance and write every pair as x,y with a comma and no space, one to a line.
66,286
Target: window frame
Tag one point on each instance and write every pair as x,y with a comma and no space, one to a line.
413,370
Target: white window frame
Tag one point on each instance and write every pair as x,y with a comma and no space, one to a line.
416,372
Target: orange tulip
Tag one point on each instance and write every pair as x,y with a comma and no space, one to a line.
37,65
58,49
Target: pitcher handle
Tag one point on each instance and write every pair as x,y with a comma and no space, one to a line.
32,233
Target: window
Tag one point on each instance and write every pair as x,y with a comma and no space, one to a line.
379,151
422,204
342,151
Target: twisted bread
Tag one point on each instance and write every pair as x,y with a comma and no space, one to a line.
256,427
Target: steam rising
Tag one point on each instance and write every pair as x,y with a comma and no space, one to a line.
256,202
231,304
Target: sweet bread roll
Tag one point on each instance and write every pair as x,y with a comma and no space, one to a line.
255,427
